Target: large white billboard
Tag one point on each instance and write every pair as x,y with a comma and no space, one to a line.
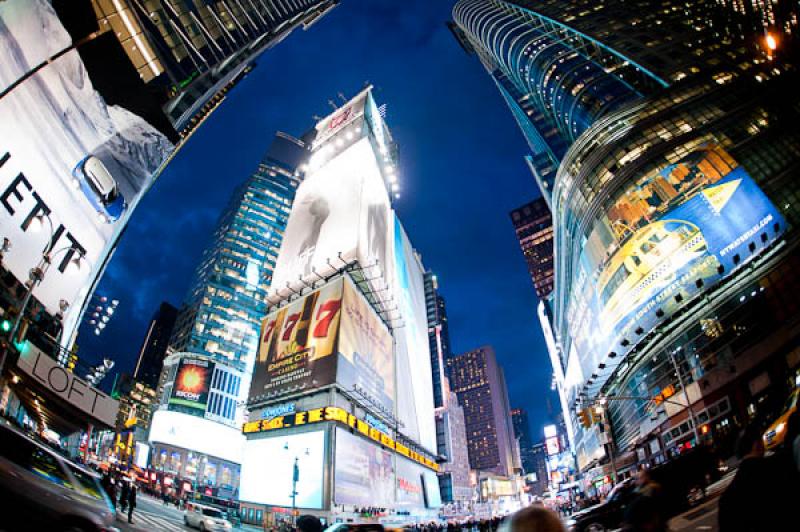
71,165
201,435
268,470
341,213
364,472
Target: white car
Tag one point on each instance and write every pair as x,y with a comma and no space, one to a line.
206,518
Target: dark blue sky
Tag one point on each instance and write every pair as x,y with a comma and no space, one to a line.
461,171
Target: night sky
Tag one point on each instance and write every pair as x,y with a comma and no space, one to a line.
461,171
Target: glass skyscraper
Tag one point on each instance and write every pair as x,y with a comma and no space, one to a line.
227,300
671,158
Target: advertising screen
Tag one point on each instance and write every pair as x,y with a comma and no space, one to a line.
142,455
340,214
415,391
410,487
297,344
72,166
192,381
268,470
199,434
663,239
364,473
366,359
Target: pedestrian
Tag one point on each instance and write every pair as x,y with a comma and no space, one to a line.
124,492
309,523
131,501
532,519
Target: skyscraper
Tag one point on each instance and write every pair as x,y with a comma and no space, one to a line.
155,344
673,230
480,385
227,299
191,53
522,432
438,336
534,227
451,435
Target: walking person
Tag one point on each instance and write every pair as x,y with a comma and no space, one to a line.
131,501
124,491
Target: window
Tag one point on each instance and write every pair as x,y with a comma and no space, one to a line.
46,466
87,484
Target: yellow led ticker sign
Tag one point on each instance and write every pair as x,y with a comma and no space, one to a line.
338,415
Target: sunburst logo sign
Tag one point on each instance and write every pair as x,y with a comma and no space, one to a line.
191,383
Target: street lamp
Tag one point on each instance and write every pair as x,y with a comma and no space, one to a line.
295,479
38,273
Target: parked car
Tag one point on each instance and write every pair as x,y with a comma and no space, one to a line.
95,181
776,432
206,518
47,491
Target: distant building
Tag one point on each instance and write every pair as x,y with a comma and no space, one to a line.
539,482
522,432
454,476
154,347
136,405
480,385
534,227
438,336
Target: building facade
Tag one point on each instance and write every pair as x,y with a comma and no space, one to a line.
672,212
533,224
154,348
522,433
438,336
539,483
342,388
479,382
227,300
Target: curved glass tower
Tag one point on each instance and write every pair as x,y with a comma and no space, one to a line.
675,160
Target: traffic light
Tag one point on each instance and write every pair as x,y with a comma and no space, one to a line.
585,417
5,325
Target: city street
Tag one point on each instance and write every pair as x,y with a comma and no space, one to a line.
152,514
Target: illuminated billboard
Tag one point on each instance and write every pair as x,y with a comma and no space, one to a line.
297,345
268,470
366,359
196,433
340,214
192,382
364,472
72,166
664,238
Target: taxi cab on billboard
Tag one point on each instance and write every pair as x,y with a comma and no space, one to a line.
92,177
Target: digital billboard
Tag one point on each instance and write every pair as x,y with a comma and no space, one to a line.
364,472
341,213
415,389
199,434
297,344
192,382
72,166
268,470
366,358
666,237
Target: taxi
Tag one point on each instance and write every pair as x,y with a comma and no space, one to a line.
776,432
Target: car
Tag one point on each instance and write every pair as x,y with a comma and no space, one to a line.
776,432
206,518
48,491
92,177
606,515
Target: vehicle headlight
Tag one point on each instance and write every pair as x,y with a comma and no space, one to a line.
780,427
570,524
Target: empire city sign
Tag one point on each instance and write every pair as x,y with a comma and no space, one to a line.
338,415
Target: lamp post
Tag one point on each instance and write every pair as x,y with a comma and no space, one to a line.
38,273
295,479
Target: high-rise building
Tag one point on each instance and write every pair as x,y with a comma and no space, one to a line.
341,394
438,336
227,300
451,434
522,433
479,382
673,232
154,348
540,481
191,53
534,227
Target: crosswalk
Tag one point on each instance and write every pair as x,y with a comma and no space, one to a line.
147,521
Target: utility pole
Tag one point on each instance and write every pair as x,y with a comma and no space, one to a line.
685,396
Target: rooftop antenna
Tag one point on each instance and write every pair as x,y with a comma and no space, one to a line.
316,118
333,104
344,100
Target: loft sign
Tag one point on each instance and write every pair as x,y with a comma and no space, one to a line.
67,386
